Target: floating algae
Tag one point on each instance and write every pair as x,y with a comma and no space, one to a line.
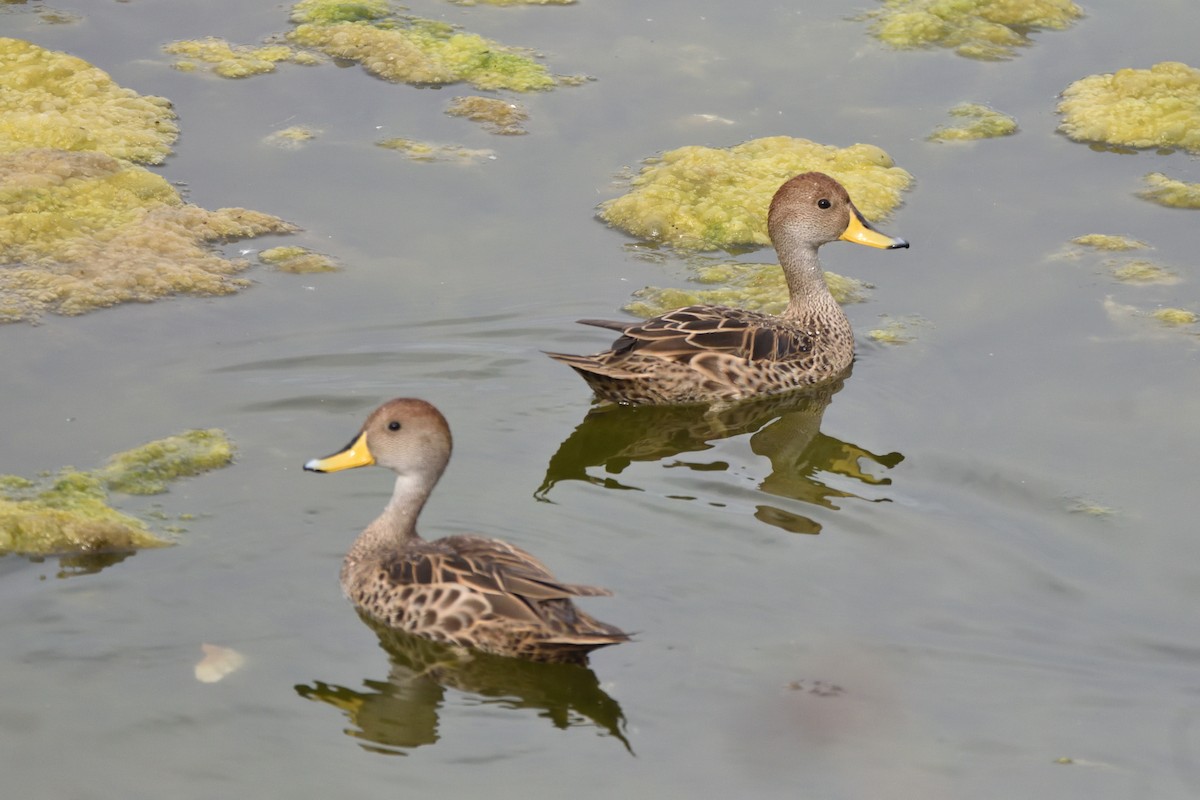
1156,107
979,122
50,99
297,260
983,29
1142,271
292,138
759,287
497,116
234,61
69,512
1175,316
147,469
703,198
412,50
897,330
1170,192
80,226
81,231
1104,241
427,152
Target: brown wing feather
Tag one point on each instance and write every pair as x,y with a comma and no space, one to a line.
682,334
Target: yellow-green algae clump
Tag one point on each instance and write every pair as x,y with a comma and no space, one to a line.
496,115
80,231
292,138
759,287
983,29
70,513
978,122
429,152
50,99
234,61
1175,316
1142,271
80,226
297,260
1170,192
703,198
412,50
1105,241
1156,107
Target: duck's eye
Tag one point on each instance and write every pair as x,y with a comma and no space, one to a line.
823,203
393,426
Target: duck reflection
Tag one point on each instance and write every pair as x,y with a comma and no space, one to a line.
402,712
785,430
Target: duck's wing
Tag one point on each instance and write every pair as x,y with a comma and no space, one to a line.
495,566
687,333
452,575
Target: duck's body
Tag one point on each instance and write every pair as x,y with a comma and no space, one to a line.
464,590
706,354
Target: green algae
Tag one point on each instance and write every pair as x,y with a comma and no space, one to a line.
979,122
897,330
1170,192
1104,241
990,30
429,152
702,198
405,49
69,512
81,227
50,99
497,116
234,61
758,287
297,260
148,469
324,12
1139,108
1175,316
1142,271
292,138
82,230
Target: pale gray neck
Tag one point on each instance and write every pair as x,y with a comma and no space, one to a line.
806,282
398,522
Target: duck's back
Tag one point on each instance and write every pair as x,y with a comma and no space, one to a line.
480,593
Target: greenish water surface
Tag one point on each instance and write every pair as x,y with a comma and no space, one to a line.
972,572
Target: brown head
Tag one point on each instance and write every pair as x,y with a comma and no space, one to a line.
406,435
813,209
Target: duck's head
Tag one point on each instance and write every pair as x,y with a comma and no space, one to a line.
406,435
813,209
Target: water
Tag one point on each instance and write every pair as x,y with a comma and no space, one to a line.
953,628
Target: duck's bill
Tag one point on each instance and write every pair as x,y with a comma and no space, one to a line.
860,231
355,454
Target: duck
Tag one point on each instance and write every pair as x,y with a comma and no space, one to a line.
464,590
718,354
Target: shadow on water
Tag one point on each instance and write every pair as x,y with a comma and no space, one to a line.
402,712
785,430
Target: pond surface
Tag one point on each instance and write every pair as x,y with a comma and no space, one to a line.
978,558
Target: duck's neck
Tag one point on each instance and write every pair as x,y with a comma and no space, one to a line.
810,300
396,526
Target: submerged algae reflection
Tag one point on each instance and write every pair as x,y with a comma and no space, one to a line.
784,429
69,511
403,712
